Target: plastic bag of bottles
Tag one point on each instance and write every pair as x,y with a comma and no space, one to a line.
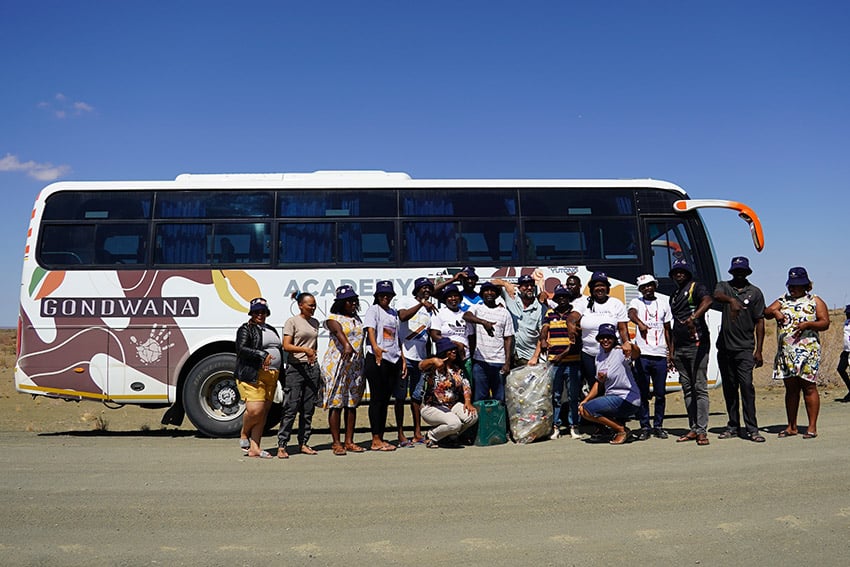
528,398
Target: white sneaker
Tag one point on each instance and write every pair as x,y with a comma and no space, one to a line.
574,433
556,433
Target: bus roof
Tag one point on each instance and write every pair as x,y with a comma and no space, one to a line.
343,180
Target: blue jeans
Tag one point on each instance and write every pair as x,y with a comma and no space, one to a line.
568,375
652,368
612,407
414,383
489,382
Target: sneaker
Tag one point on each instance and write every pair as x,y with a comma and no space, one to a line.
556,434
575,433
643,434
659,433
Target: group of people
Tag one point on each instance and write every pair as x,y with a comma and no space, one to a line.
448,346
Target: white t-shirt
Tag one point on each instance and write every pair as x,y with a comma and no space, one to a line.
654,315
847,335
386,331
492,349
451,325
414,331
612,311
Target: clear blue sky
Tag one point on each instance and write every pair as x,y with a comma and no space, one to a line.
736,100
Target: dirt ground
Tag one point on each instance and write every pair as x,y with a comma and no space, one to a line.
84,485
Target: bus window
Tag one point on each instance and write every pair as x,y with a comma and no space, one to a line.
241,243
488,241
669,241
430,242
121,244
367,242
183,243
214,204
555,242
102,205
313,204
306,243
492,203
554,202
66,245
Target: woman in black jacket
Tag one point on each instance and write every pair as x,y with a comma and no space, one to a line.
258,358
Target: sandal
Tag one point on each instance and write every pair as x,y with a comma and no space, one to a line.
689,436
620,437
262,455
809,435
785,433
702,439
384,447
282,454
756,437
354,448
338,450
307,450
728,434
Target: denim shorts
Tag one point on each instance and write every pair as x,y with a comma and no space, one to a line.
413,383
613,407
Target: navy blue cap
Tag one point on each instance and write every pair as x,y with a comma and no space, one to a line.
606,330
560,290
681,264
450,289
599,277
740,263
798,276
470,272
489,284
345,292
259,304
384,286
444,345
525,279
420,283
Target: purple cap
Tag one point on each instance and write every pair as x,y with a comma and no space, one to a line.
384,286
525,279
259,304
420,283
606,330
740,263
345,292
798,276
681,264
560,290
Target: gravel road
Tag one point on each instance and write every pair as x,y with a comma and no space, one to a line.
171,498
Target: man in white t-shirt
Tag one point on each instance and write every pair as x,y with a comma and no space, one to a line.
652,316
490,344
414,313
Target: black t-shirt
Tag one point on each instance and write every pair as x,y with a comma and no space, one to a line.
683,303
739,334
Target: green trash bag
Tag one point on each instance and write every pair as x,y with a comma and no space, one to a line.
492,423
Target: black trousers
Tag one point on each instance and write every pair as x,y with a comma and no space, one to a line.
736,371
300,393
382,382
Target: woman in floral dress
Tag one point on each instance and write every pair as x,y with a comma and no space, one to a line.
800,316
342,368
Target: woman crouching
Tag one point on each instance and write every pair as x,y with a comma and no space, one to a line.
447,403
622,396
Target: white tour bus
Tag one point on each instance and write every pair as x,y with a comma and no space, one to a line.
132,291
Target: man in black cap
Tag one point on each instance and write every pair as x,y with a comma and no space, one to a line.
527,313
739,348
690,347
845,354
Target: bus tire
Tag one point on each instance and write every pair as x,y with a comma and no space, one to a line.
210,397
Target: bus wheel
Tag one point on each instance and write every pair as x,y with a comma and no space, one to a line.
211,399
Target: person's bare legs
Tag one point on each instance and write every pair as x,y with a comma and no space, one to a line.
792,403
253,421
399,419
334,418
811,398
416,411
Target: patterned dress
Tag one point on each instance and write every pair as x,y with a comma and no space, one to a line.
797,356
343,380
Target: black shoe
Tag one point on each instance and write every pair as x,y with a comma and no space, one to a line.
846,398
659,433
728,434
643,434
